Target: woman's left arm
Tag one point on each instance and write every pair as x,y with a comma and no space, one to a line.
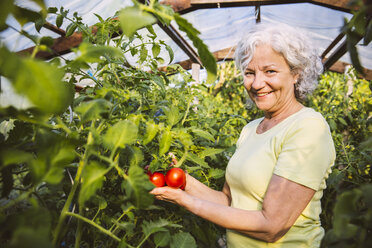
283,203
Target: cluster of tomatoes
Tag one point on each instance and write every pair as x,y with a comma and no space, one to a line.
175,178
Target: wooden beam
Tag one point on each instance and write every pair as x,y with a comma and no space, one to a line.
341,5
181,42
61,46
185,6
332,45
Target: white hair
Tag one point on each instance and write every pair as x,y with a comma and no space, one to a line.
293,44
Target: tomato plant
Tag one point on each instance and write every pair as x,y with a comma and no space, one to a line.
175,178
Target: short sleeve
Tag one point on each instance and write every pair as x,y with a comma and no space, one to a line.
307,153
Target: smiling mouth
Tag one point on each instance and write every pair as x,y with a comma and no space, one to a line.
263,94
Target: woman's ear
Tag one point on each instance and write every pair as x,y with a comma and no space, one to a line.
296,76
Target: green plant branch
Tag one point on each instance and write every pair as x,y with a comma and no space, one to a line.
153,11
79,228
118,219
71,195
103,230
15,201
186,112
143,240
62,125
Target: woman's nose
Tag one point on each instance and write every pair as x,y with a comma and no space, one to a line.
258,81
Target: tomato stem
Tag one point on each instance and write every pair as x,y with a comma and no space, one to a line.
70,197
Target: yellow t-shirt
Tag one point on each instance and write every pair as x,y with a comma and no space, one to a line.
299,148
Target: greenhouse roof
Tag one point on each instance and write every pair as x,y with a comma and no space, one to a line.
221,24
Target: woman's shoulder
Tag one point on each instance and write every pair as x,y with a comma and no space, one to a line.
310,119
307,114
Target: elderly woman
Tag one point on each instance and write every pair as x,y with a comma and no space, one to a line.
276,177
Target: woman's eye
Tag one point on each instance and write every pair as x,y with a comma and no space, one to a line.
270,71
249,73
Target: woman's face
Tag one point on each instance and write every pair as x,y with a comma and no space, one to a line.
269,80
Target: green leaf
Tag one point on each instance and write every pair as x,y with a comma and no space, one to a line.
354,56
158,81
216,173
99,17
71,29
136,156
150,28
199,161
89,53
10,156
33,230
184,137
345,208
52,10
165,141
150,227
368,34
203,134
6,7
209,152
183,240
151,131
137,185
206,57
155,50
39,24
59,20
359,21
170,52
173,115
59,160
6,127
342,120
46,40
153,227
93,109
40,81
92,180
24,16
133,18
143,54
367,193
162,239
122,133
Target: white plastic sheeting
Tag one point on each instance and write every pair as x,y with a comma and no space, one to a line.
220,28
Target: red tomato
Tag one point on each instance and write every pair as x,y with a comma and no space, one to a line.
158,179
176,178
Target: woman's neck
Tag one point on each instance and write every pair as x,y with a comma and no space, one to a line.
272,119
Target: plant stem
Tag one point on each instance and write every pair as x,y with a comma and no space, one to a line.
103,230
15,201
143,241
187,112
79,228
68,202
121,216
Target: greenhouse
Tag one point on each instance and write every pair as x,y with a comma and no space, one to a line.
128,123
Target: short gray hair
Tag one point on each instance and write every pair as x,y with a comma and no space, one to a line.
293,44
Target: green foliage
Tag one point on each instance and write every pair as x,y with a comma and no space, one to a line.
345,101
79,157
